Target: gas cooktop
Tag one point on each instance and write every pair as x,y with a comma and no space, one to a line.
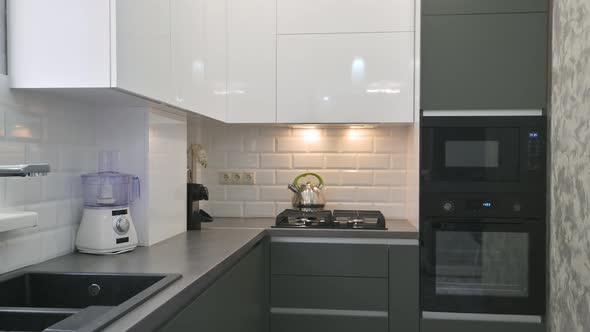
339,219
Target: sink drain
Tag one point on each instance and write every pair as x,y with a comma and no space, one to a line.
94,290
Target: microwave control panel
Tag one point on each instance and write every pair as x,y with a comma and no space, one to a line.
535,150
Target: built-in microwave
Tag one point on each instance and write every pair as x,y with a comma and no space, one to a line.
483,154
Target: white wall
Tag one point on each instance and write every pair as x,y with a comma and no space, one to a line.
362,168
39,127
167,175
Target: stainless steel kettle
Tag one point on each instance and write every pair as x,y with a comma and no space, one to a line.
308,196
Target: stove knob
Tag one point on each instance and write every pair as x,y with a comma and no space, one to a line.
516,207
448,206
122,225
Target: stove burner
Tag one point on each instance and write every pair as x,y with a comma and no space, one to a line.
340,219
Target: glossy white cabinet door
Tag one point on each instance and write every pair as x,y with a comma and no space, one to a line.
59,43
143,48
333,16
340,78
199,56
251,61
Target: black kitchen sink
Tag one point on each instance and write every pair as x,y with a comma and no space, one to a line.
43,299
15,320
48,290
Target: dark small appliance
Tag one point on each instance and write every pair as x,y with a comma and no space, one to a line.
339,219
483,154
194,215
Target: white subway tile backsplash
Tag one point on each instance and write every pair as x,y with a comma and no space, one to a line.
225,142
398,161
308,160
42,127
23,125
242,160
275,131
216,192
357,144
286,177
355,177
291,144
390,178
373,194
277,161
341,160
265,177
225,209
275,193
242,193
12,153
390,145
20,191
323,144
361,167
374,161
259,144
334,194
259,209
392,210
47,214
216,159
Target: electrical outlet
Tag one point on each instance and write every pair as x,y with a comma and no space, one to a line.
236,178
248,178
224,178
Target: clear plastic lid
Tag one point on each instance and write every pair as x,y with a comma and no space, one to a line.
109,188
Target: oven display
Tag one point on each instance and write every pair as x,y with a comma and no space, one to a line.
478,204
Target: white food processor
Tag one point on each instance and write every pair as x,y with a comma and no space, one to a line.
107,227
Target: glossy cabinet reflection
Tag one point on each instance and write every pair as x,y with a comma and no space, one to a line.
329,16
343,78
251,61
199,56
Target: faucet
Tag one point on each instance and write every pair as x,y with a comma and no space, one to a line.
24,170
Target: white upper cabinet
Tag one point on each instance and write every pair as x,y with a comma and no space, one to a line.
47,47
348,16
143,48
345,78
251,61
199,56
121,44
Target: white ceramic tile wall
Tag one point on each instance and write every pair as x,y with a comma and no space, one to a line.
40,127
362,168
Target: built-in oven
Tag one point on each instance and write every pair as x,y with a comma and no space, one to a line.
482,154
483,253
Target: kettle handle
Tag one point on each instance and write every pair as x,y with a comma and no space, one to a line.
296,181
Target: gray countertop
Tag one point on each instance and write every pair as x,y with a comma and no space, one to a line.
200,257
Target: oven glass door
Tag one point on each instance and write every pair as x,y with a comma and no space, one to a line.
470,154
483,266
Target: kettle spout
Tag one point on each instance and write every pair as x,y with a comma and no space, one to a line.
294,188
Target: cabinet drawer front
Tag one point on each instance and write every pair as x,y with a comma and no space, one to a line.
329,259
326,323
484,61
440,325
342,293
442,7
333,16
345,78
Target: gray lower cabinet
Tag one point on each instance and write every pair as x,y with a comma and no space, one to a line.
443,325
368,287
327,323
238,301
445,7
489,61
404,288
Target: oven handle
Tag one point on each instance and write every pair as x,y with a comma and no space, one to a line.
481,317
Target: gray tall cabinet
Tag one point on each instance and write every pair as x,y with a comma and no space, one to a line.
484,54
